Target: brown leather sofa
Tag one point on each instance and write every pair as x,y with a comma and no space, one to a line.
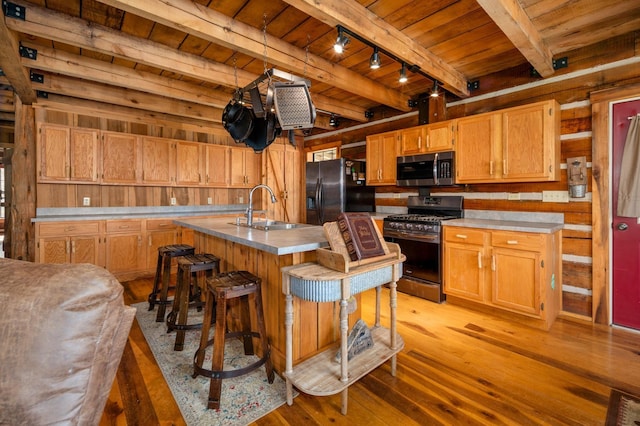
62,332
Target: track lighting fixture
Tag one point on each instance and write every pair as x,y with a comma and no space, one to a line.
403,73
334,121
435,92
341,41
374,61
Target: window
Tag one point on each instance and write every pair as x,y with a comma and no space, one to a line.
323,155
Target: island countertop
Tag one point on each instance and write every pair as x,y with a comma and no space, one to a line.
279,242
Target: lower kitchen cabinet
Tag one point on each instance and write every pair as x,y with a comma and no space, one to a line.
513,271
69,242
125,251
160,232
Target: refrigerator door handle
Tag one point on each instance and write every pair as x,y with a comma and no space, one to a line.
317,200
320,204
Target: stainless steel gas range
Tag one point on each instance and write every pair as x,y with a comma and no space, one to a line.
419,235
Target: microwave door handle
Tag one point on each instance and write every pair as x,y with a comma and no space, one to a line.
435,169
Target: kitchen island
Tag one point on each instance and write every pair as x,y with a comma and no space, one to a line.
264,253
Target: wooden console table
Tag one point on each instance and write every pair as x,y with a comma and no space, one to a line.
322,375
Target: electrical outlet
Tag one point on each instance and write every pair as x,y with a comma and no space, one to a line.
555,196
173,201
209,200
513,196
86,201
241,199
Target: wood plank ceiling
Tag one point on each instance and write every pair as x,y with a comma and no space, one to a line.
185,58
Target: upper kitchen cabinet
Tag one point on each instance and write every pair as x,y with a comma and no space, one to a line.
520,144
120,158
381,158
217,169
245,168
434,137
158,161
67,154
189,163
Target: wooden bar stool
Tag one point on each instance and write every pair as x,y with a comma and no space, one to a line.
188,291
222,288
161,287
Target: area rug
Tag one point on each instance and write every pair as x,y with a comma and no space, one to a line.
243,399
624,409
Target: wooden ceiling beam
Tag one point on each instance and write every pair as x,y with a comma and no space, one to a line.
10,63
104,72
205,23
516,25
354,16
45,23
99,92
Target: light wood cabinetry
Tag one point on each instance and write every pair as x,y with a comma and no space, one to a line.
69,242
514,271
245,168
381,158
520,144
158,161
427,138
159,232
120,158
217,165
67,154
189,163
125,251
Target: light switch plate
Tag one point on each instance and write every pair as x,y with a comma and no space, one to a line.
86,201
513,196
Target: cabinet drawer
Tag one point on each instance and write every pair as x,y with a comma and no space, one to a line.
116,226
69,228
464,235
517,240
160,225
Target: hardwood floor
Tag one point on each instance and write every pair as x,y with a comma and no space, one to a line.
459,366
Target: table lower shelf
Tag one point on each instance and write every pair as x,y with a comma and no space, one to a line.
320,375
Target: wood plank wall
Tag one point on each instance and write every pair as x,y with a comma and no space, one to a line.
571,87
71,195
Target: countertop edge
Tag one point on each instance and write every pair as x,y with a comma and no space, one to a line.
505,225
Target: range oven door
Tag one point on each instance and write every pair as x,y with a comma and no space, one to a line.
422,274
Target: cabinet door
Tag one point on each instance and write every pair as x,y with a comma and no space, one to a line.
516,280
83,155
413,140
381,158
217,165
158,161
54,153
120,158
53,250
477,145
189,163
125,253
84,249
528,143
440,136
245,168
465,268
160,232
252,168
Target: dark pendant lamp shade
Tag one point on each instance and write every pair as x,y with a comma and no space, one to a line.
238,120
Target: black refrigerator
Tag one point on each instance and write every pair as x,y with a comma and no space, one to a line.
336,186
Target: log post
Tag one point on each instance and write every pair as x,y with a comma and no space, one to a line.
21,238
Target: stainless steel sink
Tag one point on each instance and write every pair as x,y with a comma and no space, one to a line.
271,225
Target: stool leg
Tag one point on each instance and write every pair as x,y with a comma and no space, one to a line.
175,306
245,319
156,284
263,334
183,306
206,325
162,305
217,360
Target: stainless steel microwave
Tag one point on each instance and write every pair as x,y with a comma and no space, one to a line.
436,169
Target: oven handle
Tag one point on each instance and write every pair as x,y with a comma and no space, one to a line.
435,170
413,237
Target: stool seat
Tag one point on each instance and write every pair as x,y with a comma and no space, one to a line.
220,289
188,292
161,287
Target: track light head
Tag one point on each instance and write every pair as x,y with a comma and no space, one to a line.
374,61
341,41
403,73
435,92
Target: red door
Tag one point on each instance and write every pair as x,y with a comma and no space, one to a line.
626,232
